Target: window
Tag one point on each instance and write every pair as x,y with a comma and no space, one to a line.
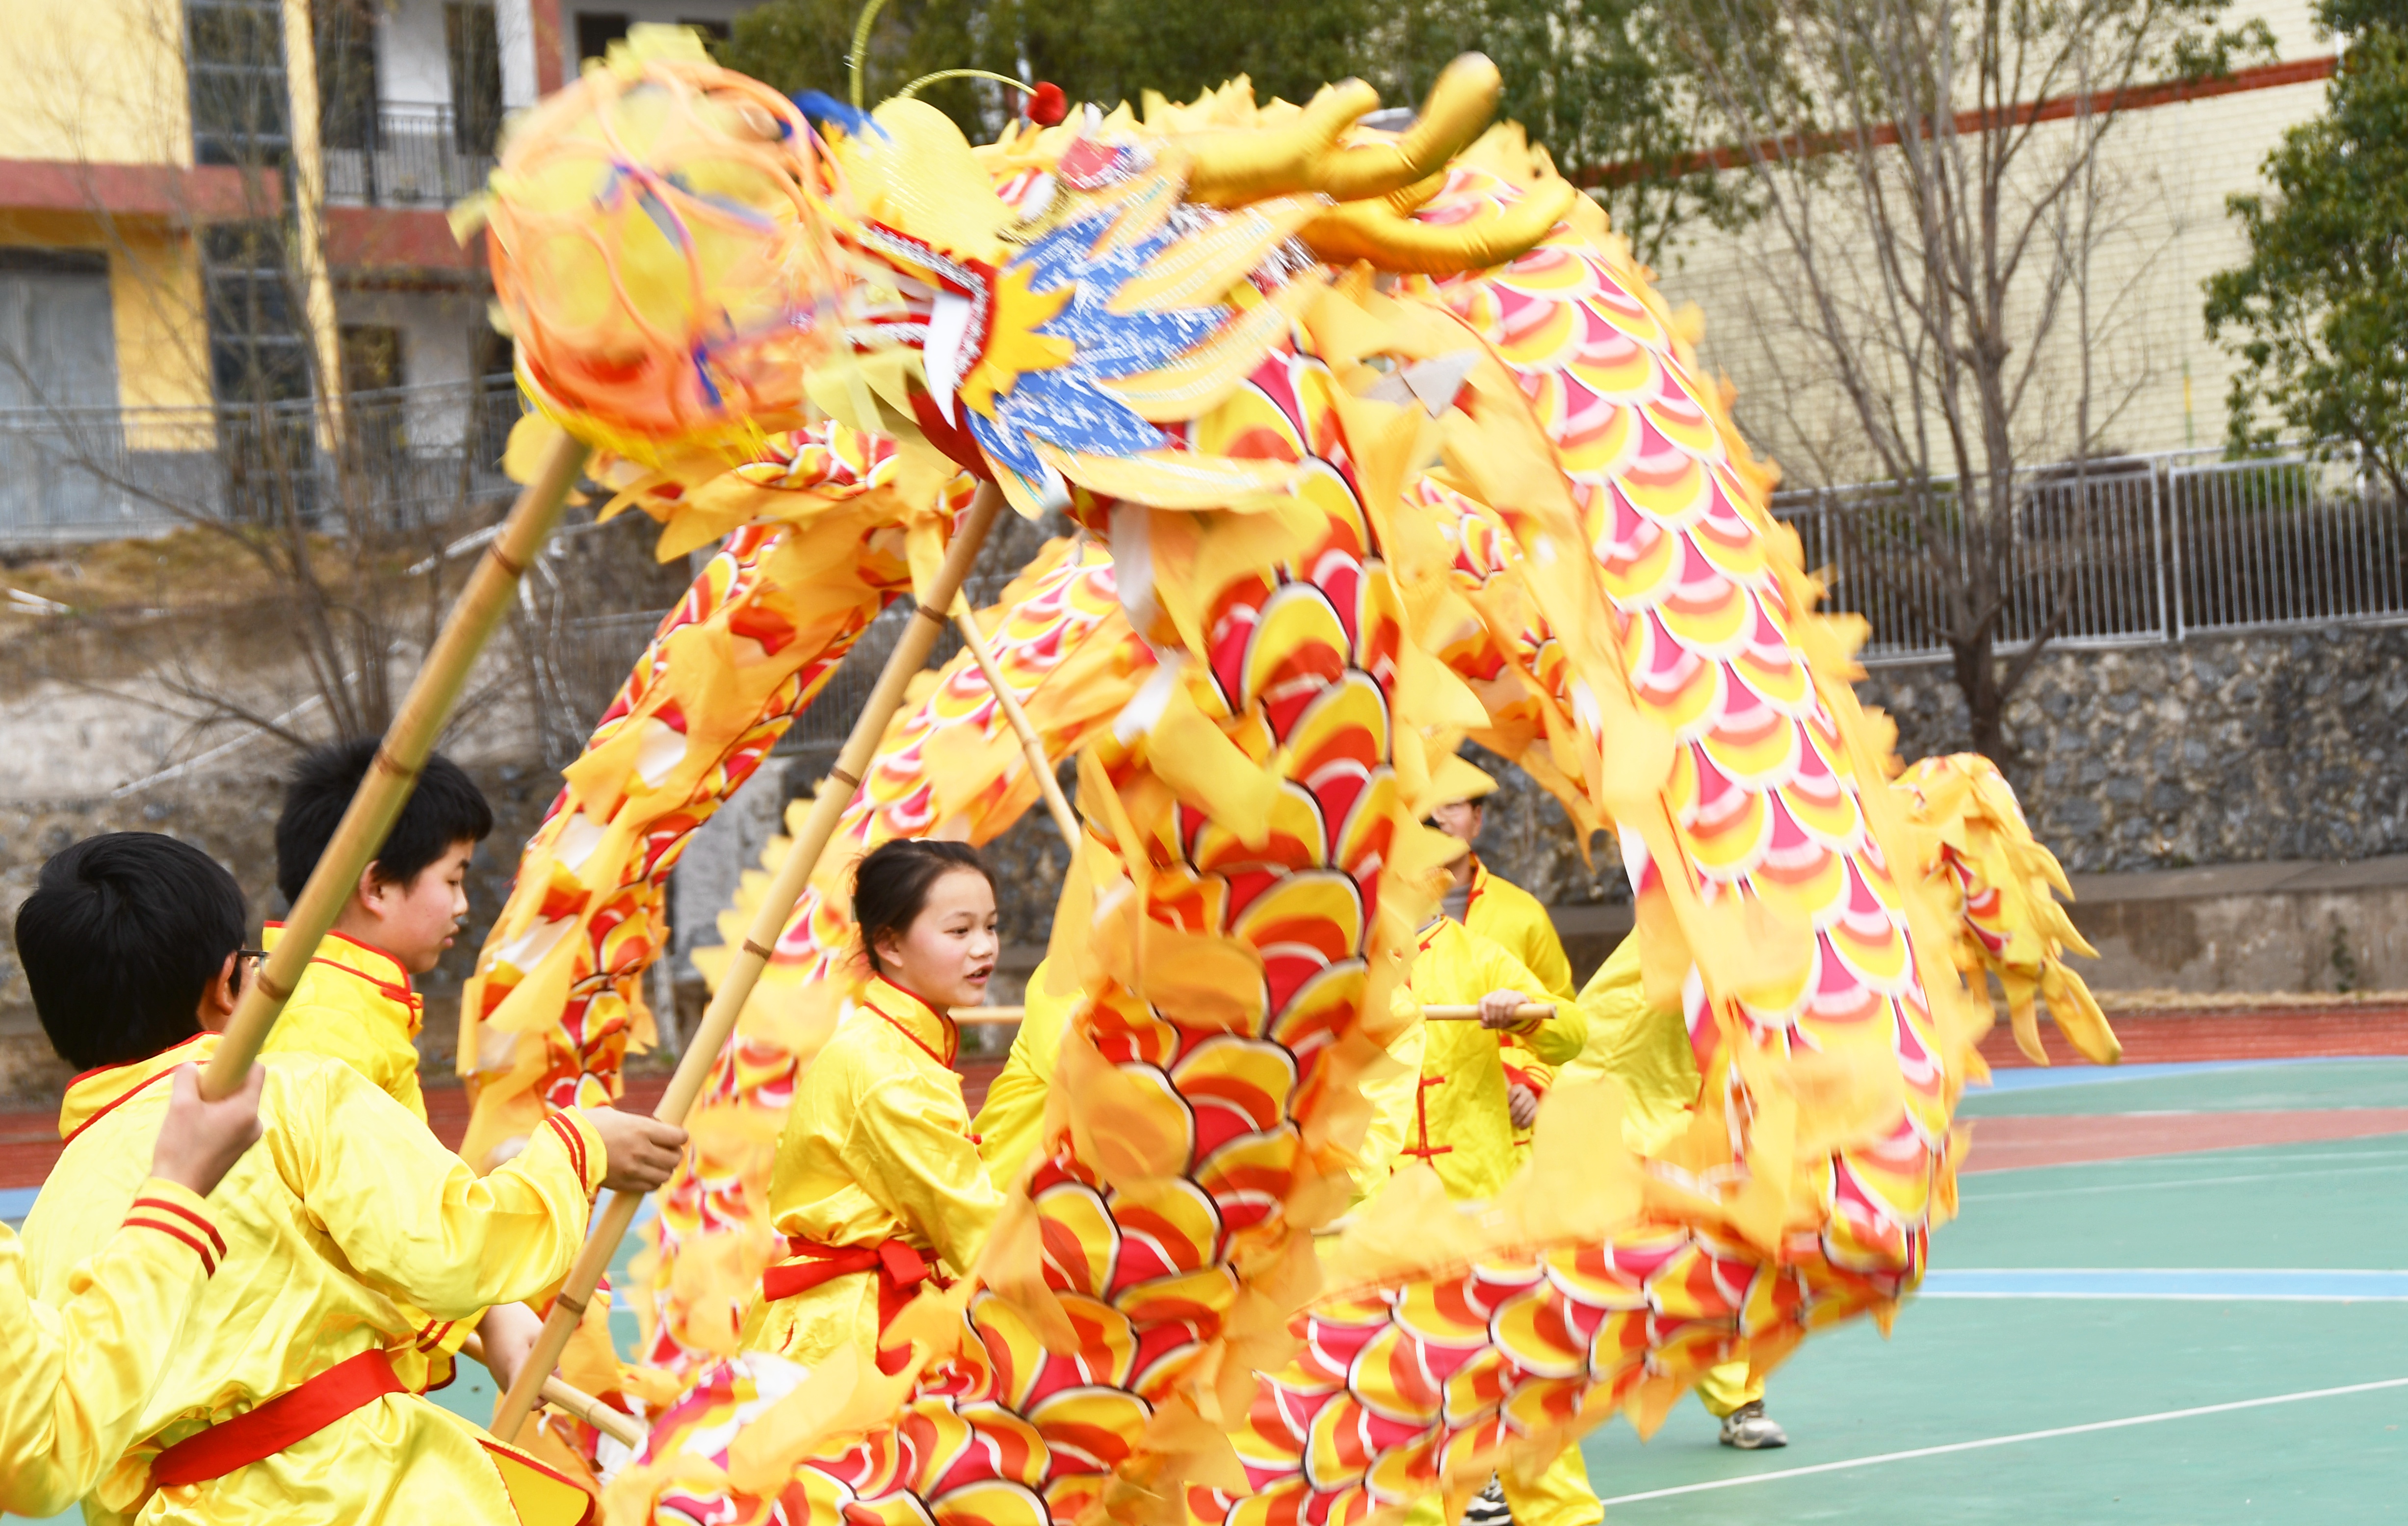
371,357
234,54
597,30
259,349
58,354
488,353
347,72
473,49
58,347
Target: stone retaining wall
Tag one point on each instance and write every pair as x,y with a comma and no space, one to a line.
2223,750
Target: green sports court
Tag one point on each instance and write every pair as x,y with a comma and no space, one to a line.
2148,1323
2201,1334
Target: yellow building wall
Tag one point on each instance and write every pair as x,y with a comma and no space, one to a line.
94,82
163,340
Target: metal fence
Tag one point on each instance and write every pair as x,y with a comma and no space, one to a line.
422,455
407,155
2131,551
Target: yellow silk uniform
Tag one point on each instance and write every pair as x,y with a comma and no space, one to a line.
1511,917
346,1207
73,1378
1455,1114
1647,1049
875,1147
354,1004
1458,1123
1010,1119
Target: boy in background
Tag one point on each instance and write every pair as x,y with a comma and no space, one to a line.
1512,918
296,1395
354,1002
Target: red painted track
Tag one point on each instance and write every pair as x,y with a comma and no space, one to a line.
29,1139
2273,1034
2011,1144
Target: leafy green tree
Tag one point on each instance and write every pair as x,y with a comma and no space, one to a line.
1583,76
799,45
2318,316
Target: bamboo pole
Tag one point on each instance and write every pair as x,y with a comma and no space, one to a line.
1031,747
777,904
394,771
1524,1013
622,1428
973,1016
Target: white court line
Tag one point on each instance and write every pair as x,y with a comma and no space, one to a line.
1966,1196
1880,1458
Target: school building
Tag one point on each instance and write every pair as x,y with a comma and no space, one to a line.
208,204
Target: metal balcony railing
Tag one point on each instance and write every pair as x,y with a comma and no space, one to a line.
408,154
422,455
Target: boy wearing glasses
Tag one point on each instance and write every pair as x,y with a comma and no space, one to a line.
347,1250
74,1377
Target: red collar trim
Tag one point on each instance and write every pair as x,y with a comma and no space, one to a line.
67,1135
945,1025
398,989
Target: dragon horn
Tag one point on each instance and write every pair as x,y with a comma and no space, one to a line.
1233,167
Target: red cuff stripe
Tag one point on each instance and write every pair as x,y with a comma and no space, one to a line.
198,1221
208,1262
432,1337
573,1139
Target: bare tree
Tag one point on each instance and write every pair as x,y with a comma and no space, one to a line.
1935,197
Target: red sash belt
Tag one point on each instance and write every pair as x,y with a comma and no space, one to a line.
293,1415
899,1268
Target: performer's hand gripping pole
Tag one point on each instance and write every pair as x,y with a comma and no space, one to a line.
719,1019
620,1427
1445,1012
395,772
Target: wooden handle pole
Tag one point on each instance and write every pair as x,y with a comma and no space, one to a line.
623,1429
1031,745
395,772
972,1017
1445,1013
719,1019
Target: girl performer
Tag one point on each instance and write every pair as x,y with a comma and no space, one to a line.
877,1180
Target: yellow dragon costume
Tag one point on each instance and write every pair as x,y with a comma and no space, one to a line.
1374,443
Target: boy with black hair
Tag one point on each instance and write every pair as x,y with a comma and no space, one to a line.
74,1378
354,1002
294,1394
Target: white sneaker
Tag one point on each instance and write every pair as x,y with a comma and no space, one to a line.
1750,1429
1488,1508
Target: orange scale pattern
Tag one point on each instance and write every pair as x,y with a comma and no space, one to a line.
751,643
1133,1346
